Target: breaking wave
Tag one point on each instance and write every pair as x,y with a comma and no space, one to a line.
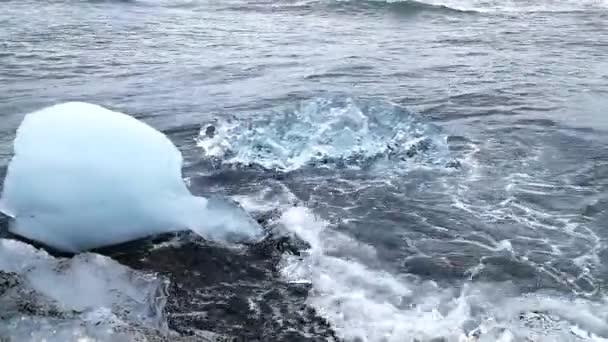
334,131
448,7
407,6
511,6
442,6
367,304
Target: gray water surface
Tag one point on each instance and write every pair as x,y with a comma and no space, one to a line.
505,230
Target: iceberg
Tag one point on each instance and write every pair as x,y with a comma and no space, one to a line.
83,177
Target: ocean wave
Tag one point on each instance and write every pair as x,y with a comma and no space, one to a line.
325,131
395,6
441,6
498,6
367,304
404,6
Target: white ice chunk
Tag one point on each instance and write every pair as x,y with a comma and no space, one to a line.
84,176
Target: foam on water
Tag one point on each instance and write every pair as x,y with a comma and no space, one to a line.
87,296
519,204
368,304
325,131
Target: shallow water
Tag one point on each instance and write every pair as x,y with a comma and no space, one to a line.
445,161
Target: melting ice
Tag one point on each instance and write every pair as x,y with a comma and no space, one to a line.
89,296
84,176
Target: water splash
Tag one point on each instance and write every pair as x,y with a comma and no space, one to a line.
332,131
367,304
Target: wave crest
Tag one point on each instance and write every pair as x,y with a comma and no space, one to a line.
453,7
412,6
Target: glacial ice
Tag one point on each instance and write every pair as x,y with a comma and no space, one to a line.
83,176
88,296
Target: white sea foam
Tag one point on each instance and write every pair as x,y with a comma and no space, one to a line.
367,304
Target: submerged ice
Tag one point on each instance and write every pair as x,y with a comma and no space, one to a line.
325,130
84,176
